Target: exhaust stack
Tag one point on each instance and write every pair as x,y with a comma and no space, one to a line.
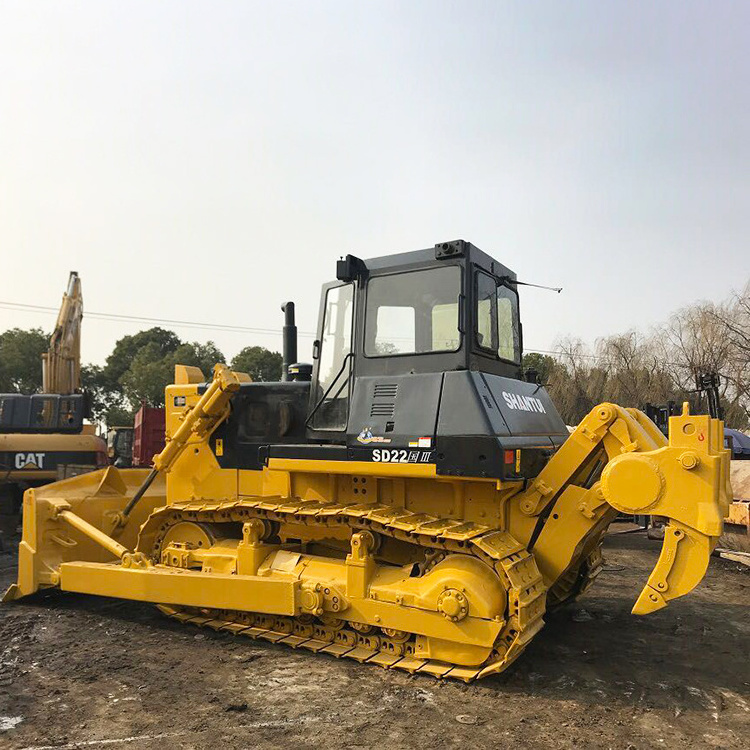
289,353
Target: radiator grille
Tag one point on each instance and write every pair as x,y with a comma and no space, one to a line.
385,390
383,409
384,400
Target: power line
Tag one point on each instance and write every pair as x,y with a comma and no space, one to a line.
225,327
561,353
145,319
193,324
600,357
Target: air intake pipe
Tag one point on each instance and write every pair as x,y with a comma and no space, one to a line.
289,353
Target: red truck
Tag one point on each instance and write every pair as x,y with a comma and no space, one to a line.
136,446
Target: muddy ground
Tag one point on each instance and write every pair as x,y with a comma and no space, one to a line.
86,672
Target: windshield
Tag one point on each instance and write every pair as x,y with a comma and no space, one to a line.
413,313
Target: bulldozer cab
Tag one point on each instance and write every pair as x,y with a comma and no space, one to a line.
430,311
417,360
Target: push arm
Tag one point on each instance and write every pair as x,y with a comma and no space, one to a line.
198,423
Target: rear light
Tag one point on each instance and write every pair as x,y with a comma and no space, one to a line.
512,460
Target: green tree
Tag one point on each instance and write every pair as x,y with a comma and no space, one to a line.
21,360
204,356
148,374
259,363
160,341
152,370
108,404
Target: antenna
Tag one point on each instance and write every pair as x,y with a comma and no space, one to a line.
508,280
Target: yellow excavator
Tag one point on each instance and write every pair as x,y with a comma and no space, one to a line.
43,436
409,500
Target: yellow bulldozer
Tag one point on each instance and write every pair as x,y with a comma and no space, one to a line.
409,500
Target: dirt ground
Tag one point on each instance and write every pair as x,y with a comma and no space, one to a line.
87,672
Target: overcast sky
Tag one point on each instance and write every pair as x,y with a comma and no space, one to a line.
205,161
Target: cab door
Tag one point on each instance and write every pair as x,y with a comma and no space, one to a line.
333,361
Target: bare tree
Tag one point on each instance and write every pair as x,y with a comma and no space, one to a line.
577,383
695,341
636,372
633,368
733,318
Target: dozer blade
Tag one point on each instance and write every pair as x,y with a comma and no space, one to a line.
77,519
96,517
685,482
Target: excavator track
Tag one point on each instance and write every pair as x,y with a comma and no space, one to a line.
514,565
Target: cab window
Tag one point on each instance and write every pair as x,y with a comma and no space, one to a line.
508,345
486,332
413,313
6,412
43,413
67,416
334,361
496,329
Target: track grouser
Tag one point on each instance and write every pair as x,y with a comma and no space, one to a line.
409,500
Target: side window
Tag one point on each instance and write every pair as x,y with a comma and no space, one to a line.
509,346
497,329
335,363
6,412
486,323
123,443
43,413
67,416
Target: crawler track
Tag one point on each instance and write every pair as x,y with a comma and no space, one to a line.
514,565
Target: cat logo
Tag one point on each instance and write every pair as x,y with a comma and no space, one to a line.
29,460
